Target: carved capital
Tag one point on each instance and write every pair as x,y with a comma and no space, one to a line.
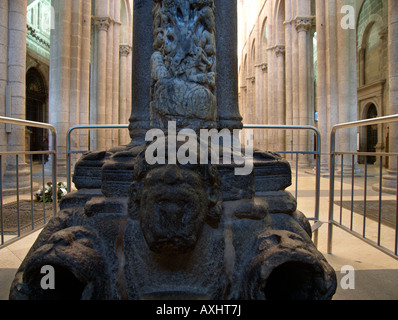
102,23
264,67
303,24
124,50
280,51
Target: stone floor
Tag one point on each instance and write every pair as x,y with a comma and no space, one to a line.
376,273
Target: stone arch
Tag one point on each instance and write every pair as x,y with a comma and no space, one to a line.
253,54
244,80
279,20
372,41
126,22
371,134
264,41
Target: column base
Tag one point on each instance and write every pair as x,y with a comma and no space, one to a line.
9,186
389,183
347,171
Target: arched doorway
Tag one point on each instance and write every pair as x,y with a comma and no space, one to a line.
36,110
371,133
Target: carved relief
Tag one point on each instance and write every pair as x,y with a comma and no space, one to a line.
184,63
303,24
102,23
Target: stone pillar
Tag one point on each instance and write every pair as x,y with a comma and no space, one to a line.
85,75
102,24
280,64
347,86
331,65
289,74
124,54
141,75
116,71
295,80
271,85
321,83
390,180
227,64
60,83
3,73
74,72
16,81
109,75
303,25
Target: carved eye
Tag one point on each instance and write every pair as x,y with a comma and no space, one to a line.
170,37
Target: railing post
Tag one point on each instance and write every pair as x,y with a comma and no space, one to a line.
331,190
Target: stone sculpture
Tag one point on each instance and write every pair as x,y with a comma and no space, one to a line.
135,230
183,66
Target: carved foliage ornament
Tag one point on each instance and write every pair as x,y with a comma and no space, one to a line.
303,24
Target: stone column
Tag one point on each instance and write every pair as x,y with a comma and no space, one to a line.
303,25
124,54
280,64
116,71
321,83
3,72
295,84
16,81
102,24
347,86
109,75
289,74
227,64
75,69
331,65
141,75
60,83
271,83
85,75
390,180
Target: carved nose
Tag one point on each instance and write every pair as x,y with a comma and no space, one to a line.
172,175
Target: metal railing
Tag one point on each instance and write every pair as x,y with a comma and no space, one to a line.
363,233
17,155
316,153
69,152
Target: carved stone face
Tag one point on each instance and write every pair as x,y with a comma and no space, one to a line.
173,209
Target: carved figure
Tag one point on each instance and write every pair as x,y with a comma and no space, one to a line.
183,64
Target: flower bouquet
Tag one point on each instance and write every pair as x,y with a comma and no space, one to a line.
46,194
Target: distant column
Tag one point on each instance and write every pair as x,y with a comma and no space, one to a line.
3,71
303,25
85,75
109,75
281,98
321,82
141,75
16,80
116,71
347,86
289,74
390,180
102,24
124,54
227,64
